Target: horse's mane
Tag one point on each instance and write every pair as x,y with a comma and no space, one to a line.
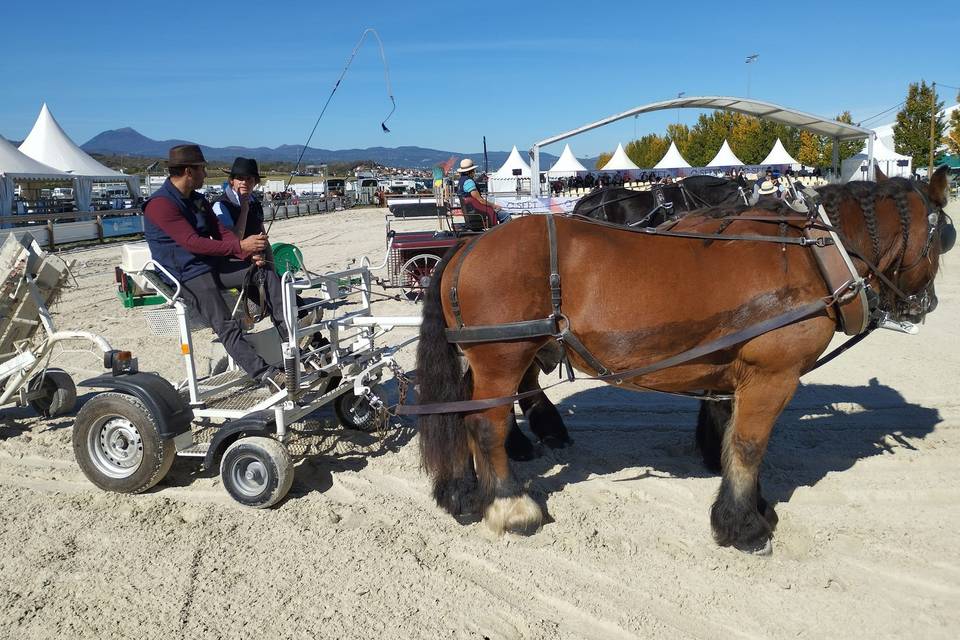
866,195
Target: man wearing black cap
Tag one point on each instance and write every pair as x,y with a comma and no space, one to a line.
185,236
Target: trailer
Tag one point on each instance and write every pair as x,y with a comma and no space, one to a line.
125,438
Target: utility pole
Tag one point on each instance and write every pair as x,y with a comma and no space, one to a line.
933,121
679,95
750,59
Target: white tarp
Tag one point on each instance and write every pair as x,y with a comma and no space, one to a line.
725,158
619,161
503,180
778,156
672,159
15,165
567,165
891,163
48,143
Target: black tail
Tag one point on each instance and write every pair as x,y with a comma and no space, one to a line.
444,449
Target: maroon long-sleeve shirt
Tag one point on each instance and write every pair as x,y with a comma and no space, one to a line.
165,215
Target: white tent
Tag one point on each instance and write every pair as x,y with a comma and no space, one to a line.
725,158
672,160
887,160
567,165
619,161
503,181
48,143
14,166
778,156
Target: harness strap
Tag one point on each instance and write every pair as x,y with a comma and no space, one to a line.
454,298
554,266
719,344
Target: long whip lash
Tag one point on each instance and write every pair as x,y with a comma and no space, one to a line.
383,124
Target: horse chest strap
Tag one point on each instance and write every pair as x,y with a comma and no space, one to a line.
554,265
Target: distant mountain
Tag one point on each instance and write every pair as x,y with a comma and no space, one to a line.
131,142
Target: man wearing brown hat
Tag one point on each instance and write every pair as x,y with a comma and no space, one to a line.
185,236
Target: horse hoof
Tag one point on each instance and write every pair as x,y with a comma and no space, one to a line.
518,514
764,548
555,442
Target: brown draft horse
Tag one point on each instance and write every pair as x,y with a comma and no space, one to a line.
691,291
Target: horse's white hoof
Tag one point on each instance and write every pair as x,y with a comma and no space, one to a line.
518,514
765,549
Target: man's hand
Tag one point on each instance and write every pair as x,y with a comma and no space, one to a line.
259,259
254,244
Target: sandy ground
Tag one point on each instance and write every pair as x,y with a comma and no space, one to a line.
863,468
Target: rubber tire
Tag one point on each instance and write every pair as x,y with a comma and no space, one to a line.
367,421
59,394
276,461
158,454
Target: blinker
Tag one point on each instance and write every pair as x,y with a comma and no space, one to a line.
948,237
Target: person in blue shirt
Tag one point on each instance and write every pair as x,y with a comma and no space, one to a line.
467,188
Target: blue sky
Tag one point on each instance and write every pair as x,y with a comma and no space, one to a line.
256,74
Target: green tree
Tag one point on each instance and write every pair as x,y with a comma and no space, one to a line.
952,139
603,159
707,137
747,140
911,133
648,150
679,134
847,149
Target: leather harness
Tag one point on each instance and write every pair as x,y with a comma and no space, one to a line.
845,291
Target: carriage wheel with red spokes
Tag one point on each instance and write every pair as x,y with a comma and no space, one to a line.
415,276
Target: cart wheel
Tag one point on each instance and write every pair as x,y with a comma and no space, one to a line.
117,444
257,471
415,276
58,393
355,412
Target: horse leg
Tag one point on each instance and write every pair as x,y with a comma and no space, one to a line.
736,515
519,447
508,507
544,419
712,423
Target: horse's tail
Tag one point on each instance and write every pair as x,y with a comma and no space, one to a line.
444,449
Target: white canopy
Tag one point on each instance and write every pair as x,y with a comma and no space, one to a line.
15,165
48,143
672,159
889,161
566,165
778,156
725,157
503,181
620,161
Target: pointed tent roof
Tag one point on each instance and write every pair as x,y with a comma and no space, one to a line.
882,152
49,144
514,161
619,161
778,155
16,164
725,157
567,163
672,159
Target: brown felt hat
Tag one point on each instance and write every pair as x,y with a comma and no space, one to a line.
185,155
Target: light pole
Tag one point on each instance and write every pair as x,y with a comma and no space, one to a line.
750,59
680,95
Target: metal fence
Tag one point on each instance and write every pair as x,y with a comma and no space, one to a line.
51,230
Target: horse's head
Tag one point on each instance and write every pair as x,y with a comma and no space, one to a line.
931,235
899,229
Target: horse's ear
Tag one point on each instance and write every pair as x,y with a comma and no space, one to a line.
937,190
880,176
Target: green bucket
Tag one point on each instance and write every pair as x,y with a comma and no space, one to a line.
286,257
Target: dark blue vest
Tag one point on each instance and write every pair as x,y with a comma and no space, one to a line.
180,262
464,178
254,215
